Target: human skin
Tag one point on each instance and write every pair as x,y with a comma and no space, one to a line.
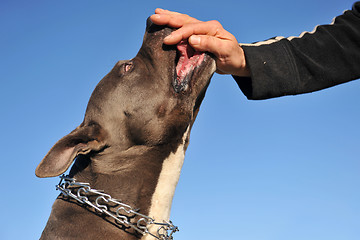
207,36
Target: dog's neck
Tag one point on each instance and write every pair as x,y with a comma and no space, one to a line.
169,176
145,179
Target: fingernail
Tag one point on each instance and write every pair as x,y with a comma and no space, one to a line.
194,40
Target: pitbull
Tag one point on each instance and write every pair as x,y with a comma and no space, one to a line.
132,140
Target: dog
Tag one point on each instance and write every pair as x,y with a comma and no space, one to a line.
131,144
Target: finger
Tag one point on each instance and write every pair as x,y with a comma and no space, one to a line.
160,10
211,28
172,19
159,19
176,15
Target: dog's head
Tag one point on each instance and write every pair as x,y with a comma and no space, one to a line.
149,100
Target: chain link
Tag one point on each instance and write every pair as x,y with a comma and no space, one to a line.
79,191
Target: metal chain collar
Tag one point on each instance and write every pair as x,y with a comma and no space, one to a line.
79,191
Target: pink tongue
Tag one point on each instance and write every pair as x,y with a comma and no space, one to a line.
189,59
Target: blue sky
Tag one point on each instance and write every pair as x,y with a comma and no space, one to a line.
278,169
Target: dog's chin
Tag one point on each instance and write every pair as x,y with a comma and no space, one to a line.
187,67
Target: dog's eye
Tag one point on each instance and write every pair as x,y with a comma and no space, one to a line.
126,67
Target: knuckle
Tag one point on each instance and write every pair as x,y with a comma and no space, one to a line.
216,27
215,23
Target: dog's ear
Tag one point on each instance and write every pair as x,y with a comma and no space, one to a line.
82,140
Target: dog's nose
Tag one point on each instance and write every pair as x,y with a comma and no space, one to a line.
152,27
149,23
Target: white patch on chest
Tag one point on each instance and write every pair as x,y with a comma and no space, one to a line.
165,188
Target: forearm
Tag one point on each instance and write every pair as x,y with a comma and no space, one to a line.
288,66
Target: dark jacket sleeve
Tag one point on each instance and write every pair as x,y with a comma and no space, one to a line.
328,56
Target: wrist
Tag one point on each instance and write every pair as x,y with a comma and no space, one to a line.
242,69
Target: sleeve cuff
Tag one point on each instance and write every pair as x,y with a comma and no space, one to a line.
273,71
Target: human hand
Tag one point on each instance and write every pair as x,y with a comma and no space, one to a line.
206,37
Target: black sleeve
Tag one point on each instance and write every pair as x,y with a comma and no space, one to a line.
328,56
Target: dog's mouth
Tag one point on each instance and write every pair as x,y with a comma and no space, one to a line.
187,61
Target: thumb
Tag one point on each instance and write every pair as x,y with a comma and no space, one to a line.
204,43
